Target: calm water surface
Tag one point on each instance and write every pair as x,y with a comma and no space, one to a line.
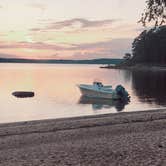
57,96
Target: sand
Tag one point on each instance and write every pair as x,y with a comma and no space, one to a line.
115,139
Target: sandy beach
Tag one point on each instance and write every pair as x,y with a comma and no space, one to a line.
115,139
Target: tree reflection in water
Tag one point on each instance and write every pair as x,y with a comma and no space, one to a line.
98,104
150,86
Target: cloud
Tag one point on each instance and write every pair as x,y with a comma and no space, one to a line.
80,23
111,48
76,24
91,55
30,45
3,55
35,29
111,44
38,6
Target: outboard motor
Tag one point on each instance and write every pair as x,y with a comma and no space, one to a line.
120,90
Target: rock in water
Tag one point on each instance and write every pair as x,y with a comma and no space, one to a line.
23,94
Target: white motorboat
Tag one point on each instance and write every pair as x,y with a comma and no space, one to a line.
98,90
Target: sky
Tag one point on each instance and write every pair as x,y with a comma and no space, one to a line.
68,29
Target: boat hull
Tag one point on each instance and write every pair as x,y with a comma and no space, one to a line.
97,93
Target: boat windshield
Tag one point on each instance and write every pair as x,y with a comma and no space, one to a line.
98,84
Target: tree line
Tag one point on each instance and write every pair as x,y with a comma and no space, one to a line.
150,46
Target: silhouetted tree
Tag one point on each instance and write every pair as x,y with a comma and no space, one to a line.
155,12
127,56
138,48
149,47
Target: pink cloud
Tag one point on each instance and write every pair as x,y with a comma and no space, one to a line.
112,48
28,45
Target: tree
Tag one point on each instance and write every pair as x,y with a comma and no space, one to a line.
149,47
127,56
155,12
138,48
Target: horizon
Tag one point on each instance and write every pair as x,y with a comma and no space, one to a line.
65,30
58,59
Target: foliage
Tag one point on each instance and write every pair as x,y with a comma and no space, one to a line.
127,56
155,12
149,47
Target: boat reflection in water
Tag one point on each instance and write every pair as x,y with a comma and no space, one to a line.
99,103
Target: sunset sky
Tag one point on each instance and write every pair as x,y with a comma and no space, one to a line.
68,29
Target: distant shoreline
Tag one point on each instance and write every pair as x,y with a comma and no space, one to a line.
62,61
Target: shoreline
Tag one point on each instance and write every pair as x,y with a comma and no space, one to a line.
158,111
138,67
132,138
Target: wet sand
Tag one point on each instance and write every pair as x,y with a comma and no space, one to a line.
116,139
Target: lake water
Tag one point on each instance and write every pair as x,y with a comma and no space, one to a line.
57,96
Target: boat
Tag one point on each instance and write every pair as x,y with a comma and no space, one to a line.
98,90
